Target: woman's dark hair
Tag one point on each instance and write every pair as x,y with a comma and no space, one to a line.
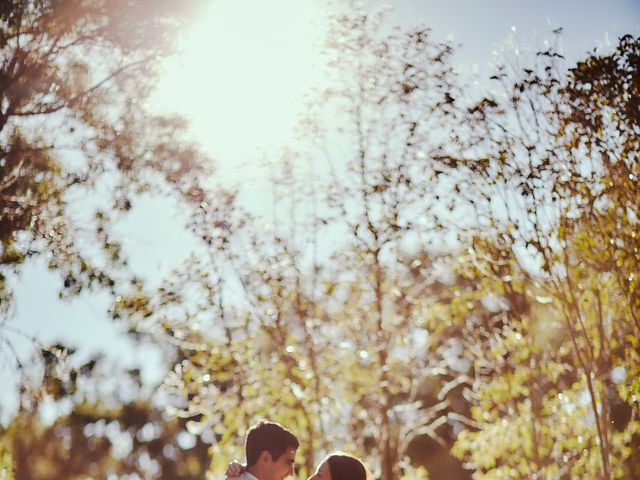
346,467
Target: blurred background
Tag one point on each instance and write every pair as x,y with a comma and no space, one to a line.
403,229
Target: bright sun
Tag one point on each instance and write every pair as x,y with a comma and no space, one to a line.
243,73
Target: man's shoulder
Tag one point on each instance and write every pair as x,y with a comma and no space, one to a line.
247,476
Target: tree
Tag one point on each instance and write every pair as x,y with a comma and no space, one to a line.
74,77
552,206
421,284
313,321
98,432
77,144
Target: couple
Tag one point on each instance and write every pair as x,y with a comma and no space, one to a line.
271,450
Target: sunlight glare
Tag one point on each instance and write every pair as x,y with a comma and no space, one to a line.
243,73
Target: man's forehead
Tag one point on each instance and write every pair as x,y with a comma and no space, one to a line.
289,454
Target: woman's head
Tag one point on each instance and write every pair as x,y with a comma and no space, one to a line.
340,466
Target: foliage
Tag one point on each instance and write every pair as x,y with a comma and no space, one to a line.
96,431
74,76
557,199
6,465
440,274
344,319
315,322
76,145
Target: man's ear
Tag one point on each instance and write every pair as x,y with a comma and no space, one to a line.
265,457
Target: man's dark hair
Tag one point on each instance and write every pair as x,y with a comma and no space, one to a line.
271,437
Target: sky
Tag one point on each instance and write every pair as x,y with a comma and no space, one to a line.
278,71
243,61
481,26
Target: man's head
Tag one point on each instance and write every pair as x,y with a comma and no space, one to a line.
271,451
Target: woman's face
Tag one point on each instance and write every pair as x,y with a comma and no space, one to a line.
322,472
